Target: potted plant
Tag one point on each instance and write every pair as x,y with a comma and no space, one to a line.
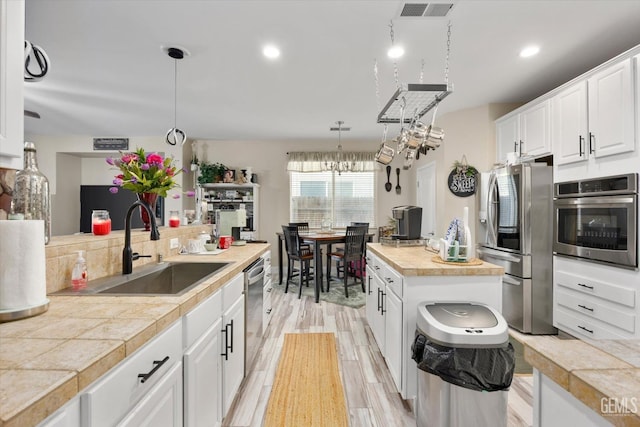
211,172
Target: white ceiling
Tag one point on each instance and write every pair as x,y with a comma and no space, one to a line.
109,76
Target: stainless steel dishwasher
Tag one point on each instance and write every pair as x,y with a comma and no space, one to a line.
253,284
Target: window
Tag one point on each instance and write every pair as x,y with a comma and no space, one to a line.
343,198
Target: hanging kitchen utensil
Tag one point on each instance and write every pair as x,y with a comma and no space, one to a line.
398,188
175,136
434,135
388,185
385,153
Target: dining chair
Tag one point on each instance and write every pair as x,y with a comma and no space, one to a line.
296,253
352,252
357,267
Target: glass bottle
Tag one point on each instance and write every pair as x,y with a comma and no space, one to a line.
31,192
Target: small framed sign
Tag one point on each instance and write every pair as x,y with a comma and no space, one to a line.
462,179
110,144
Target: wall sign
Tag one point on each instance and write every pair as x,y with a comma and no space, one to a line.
462,179
110,144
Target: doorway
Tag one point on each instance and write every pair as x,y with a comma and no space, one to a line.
426,197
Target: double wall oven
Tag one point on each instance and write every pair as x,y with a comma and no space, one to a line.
596,220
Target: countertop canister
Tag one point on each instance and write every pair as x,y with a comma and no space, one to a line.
31,192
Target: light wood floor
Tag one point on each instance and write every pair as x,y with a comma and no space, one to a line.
371,396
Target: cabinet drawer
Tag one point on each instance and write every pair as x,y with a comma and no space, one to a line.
267,259
106,402
598,288
232,291
198,320
373,262
267,274
392,279
576,323
592,307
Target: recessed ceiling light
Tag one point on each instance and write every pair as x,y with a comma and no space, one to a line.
271,52
395,52
529,51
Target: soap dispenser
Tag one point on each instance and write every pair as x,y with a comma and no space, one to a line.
79,276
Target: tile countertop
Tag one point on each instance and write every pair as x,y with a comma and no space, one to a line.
590,371
417,261
46,360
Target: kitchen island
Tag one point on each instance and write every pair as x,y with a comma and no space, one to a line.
47,360
398,279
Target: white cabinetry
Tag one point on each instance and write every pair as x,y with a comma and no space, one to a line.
202,364
594,117
554,406
267,290
123,393
67,416
162,405
527,132
392,305
232,343
595,301
11,83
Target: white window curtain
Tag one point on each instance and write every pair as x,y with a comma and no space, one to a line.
342,198
319,161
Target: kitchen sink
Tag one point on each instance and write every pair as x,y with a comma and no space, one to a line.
169,278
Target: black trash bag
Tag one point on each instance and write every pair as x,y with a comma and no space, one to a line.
479,369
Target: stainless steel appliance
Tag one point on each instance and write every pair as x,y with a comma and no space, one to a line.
409,220
253,284
596,219
515,211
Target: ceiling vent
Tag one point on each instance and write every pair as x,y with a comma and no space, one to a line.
418,10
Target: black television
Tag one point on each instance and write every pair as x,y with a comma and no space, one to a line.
94,197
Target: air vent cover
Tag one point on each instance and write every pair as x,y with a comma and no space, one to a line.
419,10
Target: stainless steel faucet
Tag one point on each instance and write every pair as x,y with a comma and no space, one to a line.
127,254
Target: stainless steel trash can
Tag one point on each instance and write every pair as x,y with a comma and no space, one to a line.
465,365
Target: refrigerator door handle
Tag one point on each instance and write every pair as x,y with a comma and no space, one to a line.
499,255
508,280
492,238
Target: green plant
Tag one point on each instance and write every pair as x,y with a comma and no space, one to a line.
464,168
211,172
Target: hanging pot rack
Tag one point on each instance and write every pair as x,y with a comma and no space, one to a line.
418,97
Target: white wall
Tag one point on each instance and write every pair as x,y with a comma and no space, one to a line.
70,161
469,132
268,160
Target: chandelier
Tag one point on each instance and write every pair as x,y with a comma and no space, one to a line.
340,163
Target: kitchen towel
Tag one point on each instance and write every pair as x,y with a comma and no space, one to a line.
23,281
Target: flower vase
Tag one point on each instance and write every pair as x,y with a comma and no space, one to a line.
149,199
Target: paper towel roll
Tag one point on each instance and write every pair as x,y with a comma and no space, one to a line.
23,281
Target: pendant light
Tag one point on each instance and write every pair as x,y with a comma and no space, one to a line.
340,164
175,136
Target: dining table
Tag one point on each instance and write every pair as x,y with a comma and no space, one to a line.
317,239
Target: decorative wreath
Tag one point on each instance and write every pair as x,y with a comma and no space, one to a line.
462,167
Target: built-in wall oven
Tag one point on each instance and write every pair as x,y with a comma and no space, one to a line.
596,219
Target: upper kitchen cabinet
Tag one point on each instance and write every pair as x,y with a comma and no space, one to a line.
594,117
11,83
527,133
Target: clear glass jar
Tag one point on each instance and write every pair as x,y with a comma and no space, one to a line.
100,222
174,219
325,225
31,192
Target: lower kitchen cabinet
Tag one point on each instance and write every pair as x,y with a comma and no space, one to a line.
67,416
554,406
232,341
595,301
119,393
392,304
162,406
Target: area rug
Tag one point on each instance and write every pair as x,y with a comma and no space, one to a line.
356,299
307,390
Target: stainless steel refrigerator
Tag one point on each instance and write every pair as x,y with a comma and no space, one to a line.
515,231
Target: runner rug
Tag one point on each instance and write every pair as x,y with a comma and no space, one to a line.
307,390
